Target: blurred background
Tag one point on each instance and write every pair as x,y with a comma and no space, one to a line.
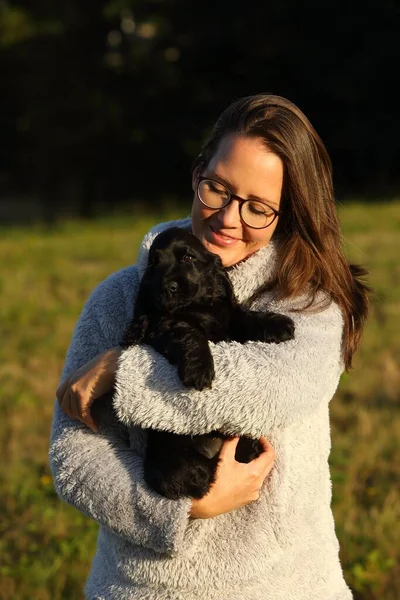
104,105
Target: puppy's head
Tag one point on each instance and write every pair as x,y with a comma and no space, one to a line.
181,271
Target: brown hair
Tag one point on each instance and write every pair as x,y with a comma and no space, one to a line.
310,256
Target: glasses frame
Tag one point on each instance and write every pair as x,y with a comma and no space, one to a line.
231,197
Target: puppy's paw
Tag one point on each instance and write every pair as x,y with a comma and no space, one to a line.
277,328
268,327
247,450
197,372
135,332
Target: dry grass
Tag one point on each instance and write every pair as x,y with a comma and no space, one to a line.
45,546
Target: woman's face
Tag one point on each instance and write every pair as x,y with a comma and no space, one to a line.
251,171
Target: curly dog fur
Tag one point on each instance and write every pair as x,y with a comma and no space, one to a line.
186,299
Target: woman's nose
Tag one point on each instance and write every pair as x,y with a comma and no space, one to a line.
229,215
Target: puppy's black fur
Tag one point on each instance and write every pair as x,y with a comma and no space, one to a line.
185,299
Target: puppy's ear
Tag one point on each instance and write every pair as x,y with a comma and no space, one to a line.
150,256
153,256
216,261
221,284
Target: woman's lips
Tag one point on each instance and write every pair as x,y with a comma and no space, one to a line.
220,239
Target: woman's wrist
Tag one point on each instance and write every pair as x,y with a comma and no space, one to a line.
194,511
202,509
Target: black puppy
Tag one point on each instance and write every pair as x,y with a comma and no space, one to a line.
185,299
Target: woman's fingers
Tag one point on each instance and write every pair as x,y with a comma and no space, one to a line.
75,405
266,459
228,448
236,484
86,414
263,462
79,409
65,402
61,391
265,443
75,409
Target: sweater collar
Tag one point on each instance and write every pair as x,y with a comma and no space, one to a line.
253,272
247,276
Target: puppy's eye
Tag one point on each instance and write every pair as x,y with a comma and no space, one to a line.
187,258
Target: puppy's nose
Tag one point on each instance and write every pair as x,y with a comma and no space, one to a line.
172,287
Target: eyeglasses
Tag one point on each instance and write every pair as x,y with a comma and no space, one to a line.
254,213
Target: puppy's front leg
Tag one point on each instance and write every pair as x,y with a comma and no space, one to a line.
192,355
135,332
248,325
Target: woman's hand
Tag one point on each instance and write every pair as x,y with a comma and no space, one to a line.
94,379
236,483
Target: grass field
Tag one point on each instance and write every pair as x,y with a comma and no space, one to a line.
46,546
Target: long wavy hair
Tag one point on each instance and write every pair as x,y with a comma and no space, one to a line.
311,257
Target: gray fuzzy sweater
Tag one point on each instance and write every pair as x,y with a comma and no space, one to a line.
281,547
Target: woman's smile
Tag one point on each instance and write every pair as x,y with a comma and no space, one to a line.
220,238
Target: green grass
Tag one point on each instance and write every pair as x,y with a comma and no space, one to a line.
46,547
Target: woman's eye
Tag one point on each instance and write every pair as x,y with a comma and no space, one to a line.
257,210
260,209
221,191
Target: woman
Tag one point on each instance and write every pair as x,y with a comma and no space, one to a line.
263,201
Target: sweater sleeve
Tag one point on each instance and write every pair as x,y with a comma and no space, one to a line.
258,387
99,473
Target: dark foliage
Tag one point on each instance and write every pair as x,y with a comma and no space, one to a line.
98,97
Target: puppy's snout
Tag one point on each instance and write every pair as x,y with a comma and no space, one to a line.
172,287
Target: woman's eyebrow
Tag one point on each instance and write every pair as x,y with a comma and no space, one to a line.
251,197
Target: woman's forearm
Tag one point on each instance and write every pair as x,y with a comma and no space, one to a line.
258,387
101,476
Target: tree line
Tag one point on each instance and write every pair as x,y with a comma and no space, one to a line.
109,100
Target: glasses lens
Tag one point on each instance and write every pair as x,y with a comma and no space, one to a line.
213,194
257,214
